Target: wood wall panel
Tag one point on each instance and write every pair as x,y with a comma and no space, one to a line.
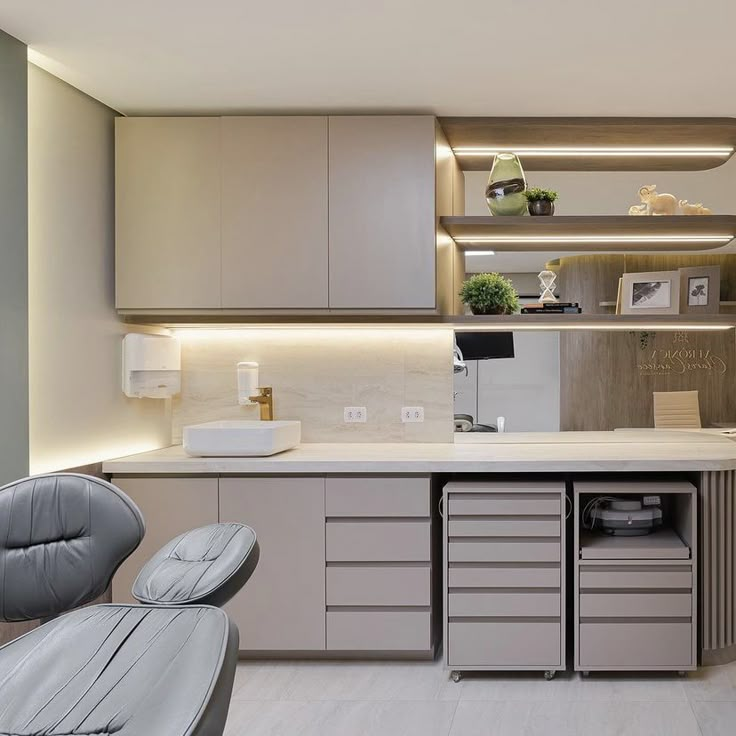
601,384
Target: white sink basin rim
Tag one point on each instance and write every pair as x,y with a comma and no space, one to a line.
241,438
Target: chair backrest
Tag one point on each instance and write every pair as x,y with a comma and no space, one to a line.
62,537
675,409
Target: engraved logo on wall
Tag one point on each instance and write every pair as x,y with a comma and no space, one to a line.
680,358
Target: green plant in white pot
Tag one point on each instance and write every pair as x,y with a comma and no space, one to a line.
489,293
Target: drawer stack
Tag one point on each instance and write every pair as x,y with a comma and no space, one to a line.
635,597
504,575
379,553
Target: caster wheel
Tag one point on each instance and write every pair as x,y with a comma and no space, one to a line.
585,673
549,675
456,676
682,673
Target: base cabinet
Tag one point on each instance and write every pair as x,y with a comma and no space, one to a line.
282,607
345,562
636,596
170,506
504,575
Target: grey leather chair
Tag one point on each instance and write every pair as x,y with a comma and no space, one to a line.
162,668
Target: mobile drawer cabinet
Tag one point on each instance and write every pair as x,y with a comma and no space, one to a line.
636,596
504,576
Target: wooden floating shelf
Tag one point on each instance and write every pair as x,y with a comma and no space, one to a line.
602,322
591,233
618,134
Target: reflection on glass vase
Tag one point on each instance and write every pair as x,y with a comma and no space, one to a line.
506,185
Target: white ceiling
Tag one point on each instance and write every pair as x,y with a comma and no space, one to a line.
461,57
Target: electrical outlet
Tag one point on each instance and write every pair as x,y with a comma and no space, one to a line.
412,413
355,414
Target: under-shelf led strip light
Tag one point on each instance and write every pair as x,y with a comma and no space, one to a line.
526,239
684,151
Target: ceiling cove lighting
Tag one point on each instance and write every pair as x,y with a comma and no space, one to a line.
482,252
602,152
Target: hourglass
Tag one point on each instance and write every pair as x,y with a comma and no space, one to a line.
547,283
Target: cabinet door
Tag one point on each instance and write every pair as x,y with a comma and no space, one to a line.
170,506
282,607
167,213
274,212
382,212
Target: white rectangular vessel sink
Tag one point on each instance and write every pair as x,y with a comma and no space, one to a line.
241,438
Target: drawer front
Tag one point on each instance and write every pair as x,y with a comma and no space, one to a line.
636,578
504,644
608,605
504,604
504,527
528,551
531,504
636,645
379,631
377,497
503,577
378,541
378,586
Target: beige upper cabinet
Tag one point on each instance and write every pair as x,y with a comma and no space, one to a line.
274,212
167,191
382,212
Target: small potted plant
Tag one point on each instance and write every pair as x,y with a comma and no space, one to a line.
489,293
540,201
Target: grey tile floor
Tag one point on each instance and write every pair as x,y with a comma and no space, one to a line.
417,699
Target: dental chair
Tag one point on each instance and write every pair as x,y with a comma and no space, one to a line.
162,668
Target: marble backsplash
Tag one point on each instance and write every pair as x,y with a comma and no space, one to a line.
316,372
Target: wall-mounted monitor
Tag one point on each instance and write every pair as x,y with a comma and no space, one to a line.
485,345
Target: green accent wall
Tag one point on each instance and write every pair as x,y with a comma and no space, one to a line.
13,259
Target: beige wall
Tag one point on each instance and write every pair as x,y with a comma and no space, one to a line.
78,413
316,372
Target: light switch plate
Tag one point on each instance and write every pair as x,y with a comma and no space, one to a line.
412,413
355,414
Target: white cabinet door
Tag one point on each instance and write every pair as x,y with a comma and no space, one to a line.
382,212
274,212
167,213
282,606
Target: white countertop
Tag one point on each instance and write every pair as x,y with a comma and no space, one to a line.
477,453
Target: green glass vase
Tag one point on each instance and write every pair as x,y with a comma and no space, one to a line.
506,186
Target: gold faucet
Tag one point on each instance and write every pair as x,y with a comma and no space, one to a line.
265,402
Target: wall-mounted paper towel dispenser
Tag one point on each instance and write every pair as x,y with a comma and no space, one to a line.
151,366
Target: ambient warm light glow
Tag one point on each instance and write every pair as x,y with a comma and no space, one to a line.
593,326
65,459
715,239
685,151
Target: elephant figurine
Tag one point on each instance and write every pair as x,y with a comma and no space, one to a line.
638,209
657,204
693,209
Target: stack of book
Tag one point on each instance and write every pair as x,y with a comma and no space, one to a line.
552,308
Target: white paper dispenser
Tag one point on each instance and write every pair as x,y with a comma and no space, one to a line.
151,366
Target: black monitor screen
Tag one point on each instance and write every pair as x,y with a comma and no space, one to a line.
485,345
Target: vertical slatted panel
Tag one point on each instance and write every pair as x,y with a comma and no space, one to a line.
718,560
705,586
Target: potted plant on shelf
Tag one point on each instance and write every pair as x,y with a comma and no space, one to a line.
489,293
540,201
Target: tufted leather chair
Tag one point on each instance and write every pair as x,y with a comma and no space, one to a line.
163,668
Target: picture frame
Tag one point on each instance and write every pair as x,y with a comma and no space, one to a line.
651,293
700,290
